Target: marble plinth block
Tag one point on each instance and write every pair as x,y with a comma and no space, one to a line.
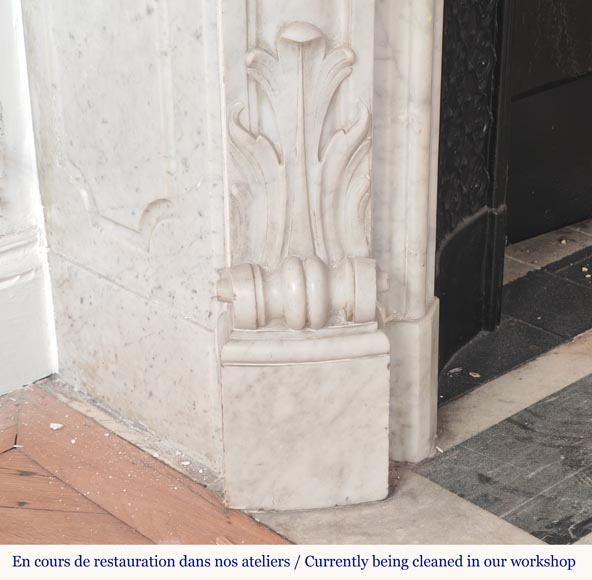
307,435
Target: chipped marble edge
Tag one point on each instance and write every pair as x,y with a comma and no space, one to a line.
176,457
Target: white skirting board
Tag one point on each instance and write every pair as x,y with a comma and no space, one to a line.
27,351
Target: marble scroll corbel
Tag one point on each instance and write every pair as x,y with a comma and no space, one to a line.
304,367
301,293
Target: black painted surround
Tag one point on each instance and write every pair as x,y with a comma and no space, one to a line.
472,169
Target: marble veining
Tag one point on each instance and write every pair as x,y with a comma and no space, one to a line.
300,203
534,469
304,366
407,110
209,202
131,170
127,118
320,440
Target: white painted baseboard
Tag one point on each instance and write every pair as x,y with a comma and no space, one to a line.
27,351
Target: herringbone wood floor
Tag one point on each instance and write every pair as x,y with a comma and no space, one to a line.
81,484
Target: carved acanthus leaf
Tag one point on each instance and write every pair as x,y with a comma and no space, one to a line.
342,162
264,175
299,197
303,187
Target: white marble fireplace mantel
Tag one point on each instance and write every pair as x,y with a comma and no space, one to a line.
239,198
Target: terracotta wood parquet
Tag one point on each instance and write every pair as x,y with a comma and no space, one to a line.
83,484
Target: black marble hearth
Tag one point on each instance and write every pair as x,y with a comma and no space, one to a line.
533,469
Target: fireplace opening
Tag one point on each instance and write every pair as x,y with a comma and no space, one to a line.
514,235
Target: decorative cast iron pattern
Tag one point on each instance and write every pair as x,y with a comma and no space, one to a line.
468,75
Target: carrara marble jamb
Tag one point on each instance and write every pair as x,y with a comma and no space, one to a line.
130,171
407,90
27,334
304,366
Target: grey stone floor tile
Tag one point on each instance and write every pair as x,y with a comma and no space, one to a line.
584,227
505,396
418,512
550,247
561,514
514,269
533,469
585,541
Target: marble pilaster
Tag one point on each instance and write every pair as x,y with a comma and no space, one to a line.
407,89
304,365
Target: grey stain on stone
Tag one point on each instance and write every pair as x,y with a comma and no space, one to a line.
534,469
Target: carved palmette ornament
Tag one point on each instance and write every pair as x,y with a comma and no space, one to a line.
300,204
